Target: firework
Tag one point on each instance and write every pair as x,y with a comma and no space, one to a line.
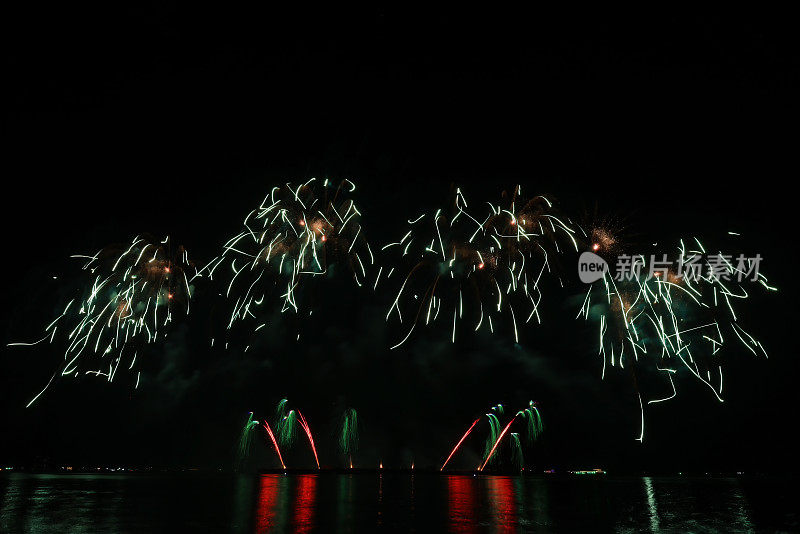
533,430
268,430
458,268
245,441
348,436
673,320
495,435
534,422
285,424
494,432
517,457
131,296
297,235
497,442
483,269
459,443
307,430
280,410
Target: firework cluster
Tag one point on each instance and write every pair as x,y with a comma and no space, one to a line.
283,436
463,269
532,427
527,423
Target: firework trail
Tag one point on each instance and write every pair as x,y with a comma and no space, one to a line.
681,320
533,428
459,443
245,441
496,443
307,430
297,235
483,269
517,457
533,419
494,432
274,442
286,422
280,410
131,297
348,436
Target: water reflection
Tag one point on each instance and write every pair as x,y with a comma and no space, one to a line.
687,504
467,496
396,501
273,510
380,499
533,502
461,504
45,503
344,503
502,503
651,504
268,517
305,503
742,509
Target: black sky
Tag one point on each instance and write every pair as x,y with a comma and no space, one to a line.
173,120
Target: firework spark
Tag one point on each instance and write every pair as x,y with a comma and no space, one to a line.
673,320
484,269
131,297
297,235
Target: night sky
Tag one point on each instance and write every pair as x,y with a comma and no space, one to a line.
177,121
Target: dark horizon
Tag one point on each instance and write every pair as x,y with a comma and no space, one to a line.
177,122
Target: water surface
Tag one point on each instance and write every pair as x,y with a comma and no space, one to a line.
365,502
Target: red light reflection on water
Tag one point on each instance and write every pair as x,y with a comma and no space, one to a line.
461,503
267,499
305,503
502,503
276,503
469,497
